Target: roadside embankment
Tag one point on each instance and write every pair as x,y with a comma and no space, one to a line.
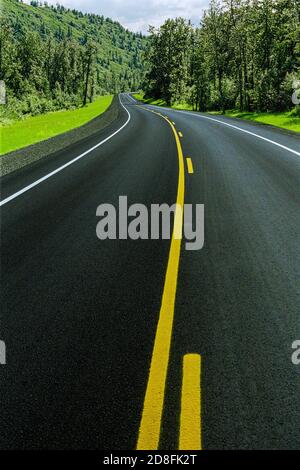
17,159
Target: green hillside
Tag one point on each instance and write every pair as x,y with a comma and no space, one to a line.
52,56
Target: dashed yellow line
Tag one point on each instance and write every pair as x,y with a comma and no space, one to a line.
189,165
150,425
180,134
190,416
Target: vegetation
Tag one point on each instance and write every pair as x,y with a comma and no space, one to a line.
286,120
54,58
245,55
28,131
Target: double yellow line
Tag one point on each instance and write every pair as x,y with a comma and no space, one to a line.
150,426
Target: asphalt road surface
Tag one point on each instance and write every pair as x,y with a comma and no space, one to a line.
79,315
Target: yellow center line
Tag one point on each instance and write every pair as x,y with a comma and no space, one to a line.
189,165
190,416
150,425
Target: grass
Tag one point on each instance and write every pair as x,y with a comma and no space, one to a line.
284,120
33,129
140,97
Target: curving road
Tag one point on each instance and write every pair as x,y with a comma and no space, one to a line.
79,315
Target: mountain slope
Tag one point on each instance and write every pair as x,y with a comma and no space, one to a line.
60,32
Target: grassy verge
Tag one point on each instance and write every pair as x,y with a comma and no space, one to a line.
284,120
33,129
140,97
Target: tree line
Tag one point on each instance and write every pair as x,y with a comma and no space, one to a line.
54,58
245,54
45,75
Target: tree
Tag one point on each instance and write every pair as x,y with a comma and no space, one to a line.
88,62
245,54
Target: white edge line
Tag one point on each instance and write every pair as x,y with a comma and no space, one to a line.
132,99
40,180
234,127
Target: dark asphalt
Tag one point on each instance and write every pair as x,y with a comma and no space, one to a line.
79,315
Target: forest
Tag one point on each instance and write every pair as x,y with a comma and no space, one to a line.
245,54
55,58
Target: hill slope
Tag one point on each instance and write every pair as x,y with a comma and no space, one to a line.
60,35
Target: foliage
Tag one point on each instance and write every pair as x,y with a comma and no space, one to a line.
32,129
244,54
53,58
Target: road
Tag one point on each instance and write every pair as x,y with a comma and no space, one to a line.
79,316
